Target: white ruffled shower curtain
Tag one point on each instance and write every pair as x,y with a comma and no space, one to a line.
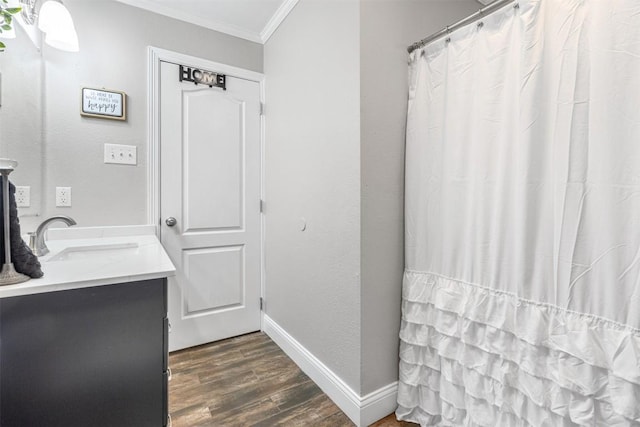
521,295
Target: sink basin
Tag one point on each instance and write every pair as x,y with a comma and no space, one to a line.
78,253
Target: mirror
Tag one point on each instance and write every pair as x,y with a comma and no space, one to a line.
41,126
21,117
40,121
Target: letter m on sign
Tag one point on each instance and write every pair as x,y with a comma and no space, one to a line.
209,78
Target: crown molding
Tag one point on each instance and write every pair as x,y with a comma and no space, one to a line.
283,11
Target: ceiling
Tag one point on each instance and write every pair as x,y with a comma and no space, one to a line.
253,20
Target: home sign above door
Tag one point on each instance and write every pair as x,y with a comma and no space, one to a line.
204,77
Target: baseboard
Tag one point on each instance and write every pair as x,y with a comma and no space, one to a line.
378,404
364,410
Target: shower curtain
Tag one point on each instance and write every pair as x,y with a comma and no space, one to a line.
521,293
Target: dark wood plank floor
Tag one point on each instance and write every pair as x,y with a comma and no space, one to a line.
248,381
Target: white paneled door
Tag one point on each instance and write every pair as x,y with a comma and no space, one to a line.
210,206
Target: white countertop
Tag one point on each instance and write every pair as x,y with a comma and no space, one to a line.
86,257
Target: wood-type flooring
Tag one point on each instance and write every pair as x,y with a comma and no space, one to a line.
248,381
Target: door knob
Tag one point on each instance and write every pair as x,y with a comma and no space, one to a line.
171,221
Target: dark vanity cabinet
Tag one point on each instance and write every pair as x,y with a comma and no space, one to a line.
90,357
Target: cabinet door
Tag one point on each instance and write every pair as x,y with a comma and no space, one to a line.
86,357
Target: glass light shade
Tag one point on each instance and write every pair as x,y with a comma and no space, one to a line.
56,22
66,39
50,12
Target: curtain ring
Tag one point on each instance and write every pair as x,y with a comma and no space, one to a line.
480,24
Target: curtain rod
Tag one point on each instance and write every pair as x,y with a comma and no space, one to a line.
465,21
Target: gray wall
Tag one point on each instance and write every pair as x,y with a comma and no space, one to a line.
336,95
313,172
113,54
387,27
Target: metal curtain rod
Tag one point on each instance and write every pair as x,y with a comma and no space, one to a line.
465,21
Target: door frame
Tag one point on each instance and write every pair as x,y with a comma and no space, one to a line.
154,57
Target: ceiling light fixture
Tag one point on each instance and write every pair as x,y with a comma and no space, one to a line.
55,21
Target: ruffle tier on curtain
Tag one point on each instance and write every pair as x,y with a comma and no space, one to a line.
471,356
521,295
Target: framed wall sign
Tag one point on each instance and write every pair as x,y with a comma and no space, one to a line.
104,104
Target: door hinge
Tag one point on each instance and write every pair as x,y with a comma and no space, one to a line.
262,108
261,304
261,206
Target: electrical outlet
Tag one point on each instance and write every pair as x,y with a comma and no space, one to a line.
120,154
63,196
23,196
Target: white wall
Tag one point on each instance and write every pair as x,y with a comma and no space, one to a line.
387,27
313,172
113,54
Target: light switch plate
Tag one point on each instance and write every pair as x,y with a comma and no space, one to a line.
120,154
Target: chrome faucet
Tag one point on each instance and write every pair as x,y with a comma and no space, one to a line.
36,241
